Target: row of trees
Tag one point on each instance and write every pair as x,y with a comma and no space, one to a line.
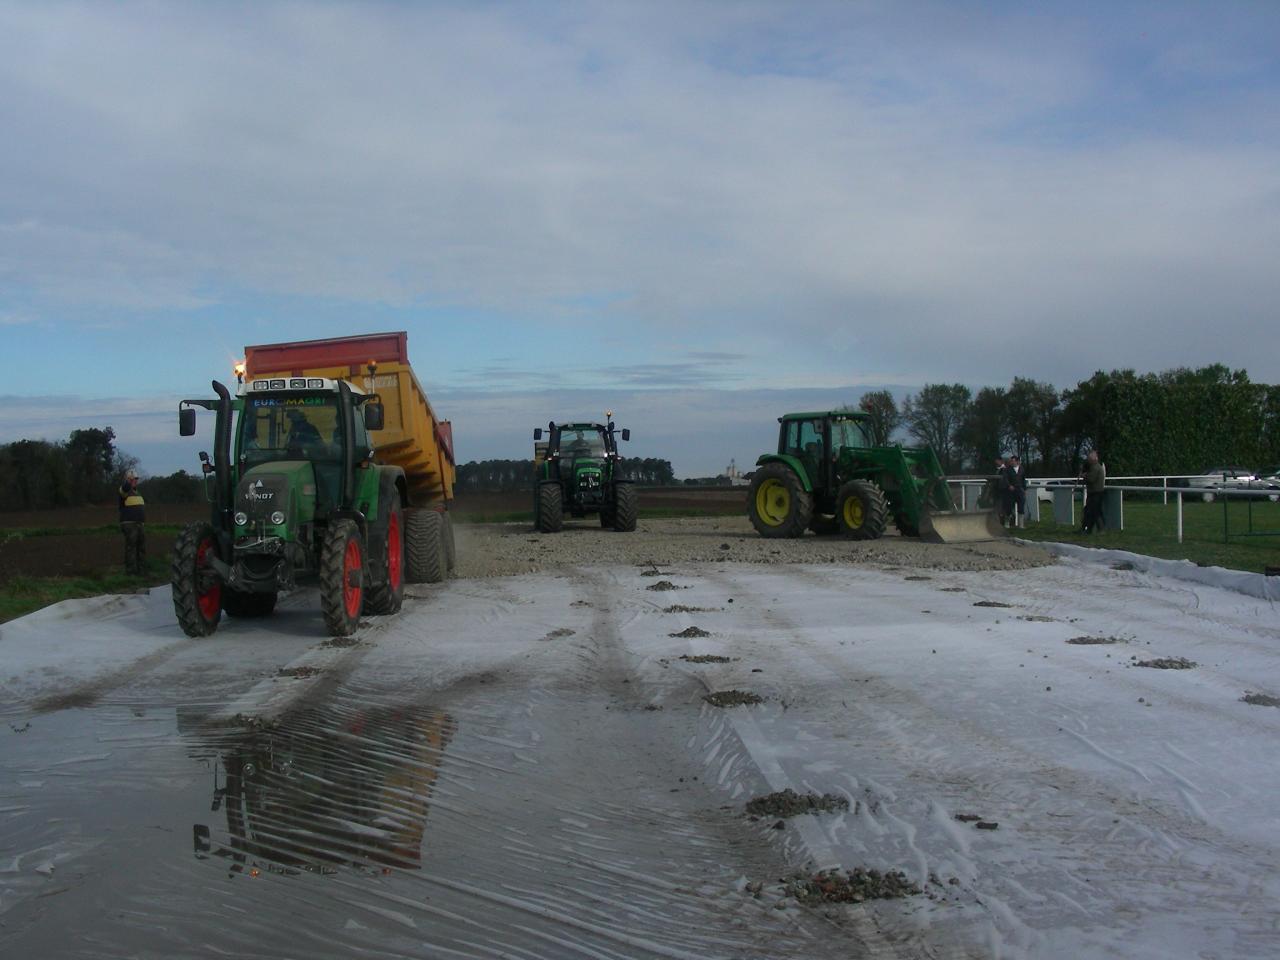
83,469
1180,421
507,475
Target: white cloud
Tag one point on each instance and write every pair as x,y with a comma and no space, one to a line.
844,191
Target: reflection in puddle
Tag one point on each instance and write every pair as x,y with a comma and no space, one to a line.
326,788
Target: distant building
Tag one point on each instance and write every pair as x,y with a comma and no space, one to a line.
733,475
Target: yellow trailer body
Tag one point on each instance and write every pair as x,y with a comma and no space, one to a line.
413,437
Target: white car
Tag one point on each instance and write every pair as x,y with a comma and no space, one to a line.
1228,478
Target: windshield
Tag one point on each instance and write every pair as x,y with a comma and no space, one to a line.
848,433
586,442
289,428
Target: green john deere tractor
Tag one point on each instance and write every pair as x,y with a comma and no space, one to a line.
577,470
828,477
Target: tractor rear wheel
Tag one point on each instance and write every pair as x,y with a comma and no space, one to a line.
624,507
425,557
197,591
778,504
550,508
861,510
342,578
242,605
388,596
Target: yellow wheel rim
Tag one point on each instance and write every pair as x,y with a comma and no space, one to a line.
773,502
853,513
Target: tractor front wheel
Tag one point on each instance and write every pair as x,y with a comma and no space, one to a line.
624,507
778,504
550,508
861,510
197,591
342,576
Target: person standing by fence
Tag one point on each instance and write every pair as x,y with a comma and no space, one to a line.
1017,479
132,525
1094,478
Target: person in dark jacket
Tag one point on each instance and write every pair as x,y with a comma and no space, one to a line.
132,524
1017,482
1094,478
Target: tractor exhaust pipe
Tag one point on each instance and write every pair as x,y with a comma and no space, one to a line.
222,458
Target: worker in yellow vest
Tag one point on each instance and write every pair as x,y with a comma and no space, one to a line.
132,520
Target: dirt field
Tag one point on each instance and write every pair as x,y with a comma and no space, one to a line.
83,554
513,548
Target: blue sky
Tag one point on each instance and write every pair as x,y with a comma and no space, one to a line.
700,215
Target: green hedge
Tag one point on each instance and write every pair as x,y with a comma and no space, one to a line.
1150,427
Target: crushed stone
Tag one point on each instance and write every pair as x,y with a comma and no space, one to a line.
850,886
732,698
1261,699
1167,663
1095,641
691,632
663,585
663,544
681,608
788,803
705,657
992,603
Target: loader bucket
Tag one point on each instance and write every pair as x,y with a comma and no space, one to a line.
961,526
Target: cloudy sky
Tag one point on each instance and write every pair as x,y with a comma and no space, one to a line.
698,214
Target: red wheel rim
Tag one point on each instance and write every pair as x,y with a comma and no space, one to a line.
351,578
209,600
395,556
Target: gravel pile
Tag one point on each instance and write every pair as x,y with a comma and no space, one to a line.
507,549
852,886
788,803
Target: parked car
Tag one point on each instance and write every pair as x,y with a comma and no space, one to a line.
1228,478
1044,491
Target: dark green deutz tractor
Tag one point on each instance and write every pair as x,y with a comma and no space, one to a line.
577,471
297,498
829,478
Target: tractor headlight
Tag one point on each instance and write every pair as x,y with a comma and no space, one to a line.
241,518
278,517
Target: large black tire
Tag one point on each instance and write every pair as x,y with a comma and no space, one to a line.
861,510
245,606
624,507
386,596
424,549
450,545
550,508
778,504
823,525
342,578
197,591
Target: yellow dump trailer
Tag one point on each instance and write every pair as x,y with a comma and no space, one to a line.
413,437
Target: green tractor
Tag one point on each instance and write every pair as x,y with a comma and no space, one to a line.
828,477
297,497
577,471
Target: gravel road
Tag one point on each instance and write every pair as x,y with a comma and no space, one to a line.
506,549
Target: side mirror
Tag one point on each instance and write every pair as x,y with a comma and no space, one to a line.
537,433
374,416
626,434
187,422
